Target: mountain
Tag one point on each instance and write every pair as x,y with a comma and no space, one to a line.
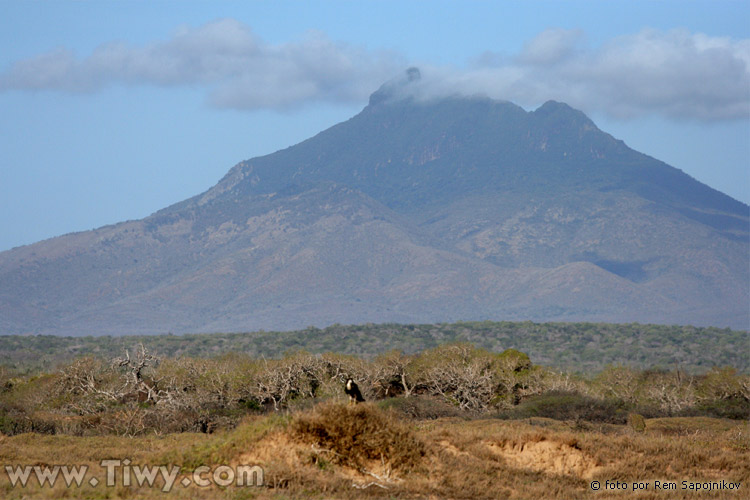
418,209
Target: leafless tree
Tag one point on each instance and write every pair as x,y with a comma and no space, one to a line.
141,386
723,383
281,380
671,392
463,375
618,382
90,386
391,374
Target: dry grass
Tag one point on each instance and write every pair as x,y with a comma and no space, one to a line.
360,433
336,451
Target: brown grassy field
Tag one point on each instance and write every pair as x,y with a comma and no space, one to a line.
337,451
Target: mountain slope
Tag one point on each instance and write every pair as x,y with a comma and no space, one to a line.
417,210
324,254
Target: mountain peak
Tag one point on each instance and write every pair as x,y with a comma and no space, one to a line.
398,88
552,106
560,112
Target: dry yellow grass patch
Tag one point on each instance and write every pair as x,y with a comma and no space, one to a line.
335,451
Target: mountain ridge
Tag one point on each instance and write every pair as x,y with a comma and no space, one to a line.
417,209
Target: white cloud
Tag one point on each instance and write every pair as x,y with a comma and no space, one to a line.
551,46
237,68
678,74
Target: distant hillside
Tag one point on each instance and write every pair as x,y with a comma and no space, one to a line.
573,347
413,211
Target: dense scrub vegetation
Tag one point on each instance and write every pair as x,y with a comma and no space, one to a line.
139,393
573,347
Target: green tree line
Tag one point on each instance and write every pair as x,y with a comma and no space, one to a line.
575,347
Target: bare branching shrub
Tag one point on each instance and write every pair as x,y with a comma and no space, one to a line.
178,381
722,392
138,371
540,380
744,383
391,374
723,383
336,368
128,422
88,386
140,393
618,382
241,372
202,385
461,374
191,384
279,381
82,376
671,392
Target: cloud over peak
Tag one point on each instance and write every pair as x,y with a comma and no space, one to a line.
678,74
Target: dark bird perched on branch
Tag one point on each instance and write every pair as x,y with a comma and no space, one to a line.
352,391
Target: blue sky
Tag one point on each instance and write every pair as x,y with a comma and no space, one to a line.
110,111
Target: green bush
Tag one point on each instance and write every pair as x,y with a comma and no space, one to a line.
734,408
514,360
637,422
422,407
561,405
